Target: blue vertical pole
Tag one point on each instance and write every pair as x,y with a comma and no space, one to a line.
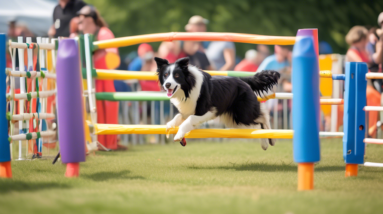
5,152
354,119
305,80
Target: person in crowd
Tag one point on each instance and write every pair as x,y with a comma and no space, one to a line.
221,55
356,38
249,63
262,52
171,51
197,57
174,50
90,22
63,13
73,27
198,24
279,60
372,41
145,62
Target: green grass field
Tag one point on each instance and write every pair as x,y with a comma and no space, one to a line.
203,177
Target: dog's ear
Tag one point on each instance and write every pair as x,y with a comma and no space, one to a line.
183,62
161,62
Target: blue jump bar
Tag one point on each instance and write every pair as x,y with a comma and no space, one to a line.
338,77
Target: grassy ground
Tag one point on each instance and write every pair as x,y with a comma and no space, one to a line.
230,177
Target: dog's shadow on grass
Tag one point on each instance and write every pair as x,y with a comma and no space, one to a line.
108,175
265,167
21,186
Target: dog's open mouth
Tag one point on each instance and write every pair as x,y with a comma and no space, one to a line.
170,92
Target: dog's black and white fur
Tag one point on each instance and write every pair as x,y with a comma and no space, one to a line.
200,97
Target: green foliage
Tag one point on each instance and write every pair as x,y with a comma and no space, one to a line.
333,18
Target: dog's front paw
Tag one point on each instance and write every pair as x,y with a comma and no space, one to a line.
169,126
179,136
183,142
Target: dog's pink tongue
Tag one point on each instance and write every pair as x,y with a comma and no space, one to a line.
170,92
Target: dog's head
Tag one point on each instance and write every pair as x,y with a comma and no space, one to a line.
175,78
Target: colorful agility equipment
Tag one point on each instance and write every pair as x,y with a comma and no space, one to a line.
70,112
306,107
206,36
306,150
33,97
5,150
308,65
354,117
103,74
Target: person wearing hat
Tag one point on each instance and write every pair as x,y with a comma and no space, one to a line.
198,24
90,22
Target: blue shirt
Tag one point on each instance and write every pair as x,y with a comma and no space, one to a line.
135,65
271,63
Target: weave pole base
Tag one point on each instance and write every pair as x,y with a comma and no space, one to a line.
351,170
305,176
72,170
5,170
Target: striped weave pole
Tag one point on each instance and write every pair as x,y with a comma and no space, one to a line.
50,46
29,74
200,36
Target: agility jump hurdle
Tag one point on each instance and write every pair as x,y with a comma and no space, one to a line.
306,127
308,153
306,37
32,98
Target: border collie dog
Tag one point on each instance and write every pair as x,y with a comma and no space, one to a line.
200,97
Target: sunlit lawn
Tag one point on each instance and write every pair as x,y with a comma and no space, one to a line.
203,177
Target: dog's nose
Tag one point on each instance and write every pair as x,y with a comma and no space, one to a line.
167,85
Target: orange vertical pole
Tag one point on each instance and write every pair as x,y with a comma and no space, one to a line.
5,169
351,170
305,176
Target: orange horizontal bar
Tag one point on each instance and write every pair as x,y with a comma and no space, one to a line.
201,36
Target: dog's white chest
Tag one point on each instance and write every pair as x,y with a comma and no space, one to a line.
186,108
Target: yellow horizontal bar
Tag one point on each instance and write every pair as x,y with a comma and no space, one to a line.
103,74
271,96
106,129
200,36
325,74
124,75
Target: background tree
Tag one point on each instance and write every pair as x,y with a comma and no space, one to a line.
333,18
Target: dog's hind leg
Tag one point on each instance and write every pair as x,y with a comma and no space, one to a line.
264,121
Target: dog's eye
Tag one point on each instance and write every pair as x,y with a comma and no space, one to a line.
166,74
176,75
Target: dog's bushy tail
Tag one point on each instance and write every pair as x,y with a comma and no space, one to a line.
262,81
